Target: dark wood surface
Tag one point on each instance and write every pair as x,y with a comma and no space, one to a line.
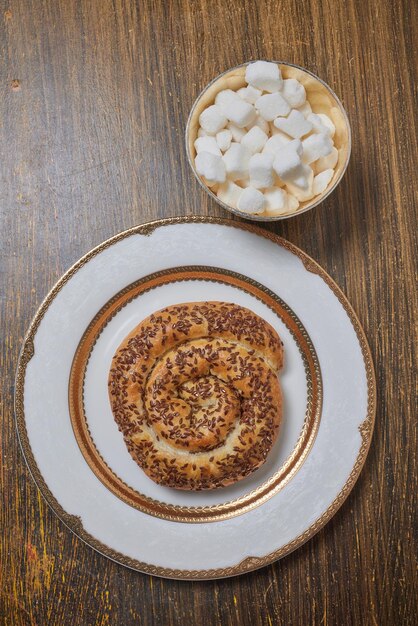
95,96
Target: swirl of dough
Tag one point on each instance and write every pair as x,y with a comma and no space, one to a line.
194,390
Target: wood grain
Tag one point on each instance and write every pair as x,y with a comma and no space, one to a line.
95,97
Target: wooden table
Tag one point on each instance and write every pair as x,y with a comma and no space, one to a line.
95,98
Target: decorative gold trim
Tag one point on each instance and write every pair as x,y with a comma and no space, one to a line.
366,428
251,562
256,496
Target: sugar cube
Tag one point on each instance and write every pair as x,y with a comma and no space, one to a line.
294,92
261,170
207,144
292,202
305,109
294,125
276,143
225,97
318,125
212,120
287,161
302,187
327,162
254,140
264,75
321,181
223,139
236,160
236,110
327,121
249,94
229,193
237,133
276,201
271,105
316,146
251,201
303,177
211,167
279,202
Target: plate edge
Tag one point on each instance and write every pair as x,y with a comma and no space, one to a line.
250,563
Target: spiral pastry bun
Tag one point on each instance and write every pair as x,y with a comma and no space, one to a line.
194,389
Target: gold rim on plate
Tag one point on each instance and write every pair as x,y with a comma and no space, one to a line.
253,498
250,563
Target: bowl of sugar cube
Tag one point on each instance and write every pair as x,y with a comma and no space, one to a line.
268,140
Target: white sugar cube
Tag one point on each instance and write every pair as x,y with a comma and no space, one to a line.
236,161
211,167
292,202
261,170
296,144
240,113
276,143
251,201
327,121
212,120
275,131
264,75
316,146
223,139
294,92
237,133
327,162
229,193
302,186
287,161
294,125
276,201
254,140
225,97
271,105
235,109
305,109
279,202
318,125
207,144
261,123
249,94
303,177
321,181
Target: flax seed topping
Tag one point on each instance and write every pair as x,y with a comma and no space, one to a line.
194,390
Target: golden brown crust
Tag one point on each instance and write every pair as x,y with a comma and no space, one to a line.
194,390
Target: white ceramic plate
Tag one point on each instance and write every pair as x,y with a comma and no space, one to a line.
77,455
